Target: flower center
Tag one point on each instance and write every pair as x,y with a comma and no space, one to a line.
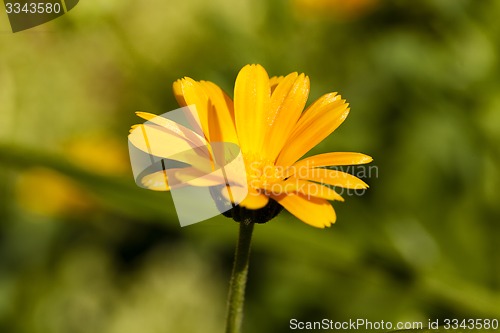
262,174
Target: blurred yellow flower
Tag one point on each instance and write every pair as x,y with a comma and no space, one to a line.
100,153
49,193
267,123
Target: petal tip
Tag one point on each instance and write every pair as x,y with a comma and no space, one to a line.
366,159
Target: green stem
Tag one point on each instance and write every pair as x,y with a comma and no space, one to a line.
236,297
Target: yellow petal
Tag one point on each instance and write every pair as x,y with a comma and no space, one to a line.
254,199
309,189
314,211
235,194
332,159
171,179
133,127
189,92
274,81
167,143
331,177
221,114
251,100
196,177
315,124
287,102
156,181
174,128
327,100
146,115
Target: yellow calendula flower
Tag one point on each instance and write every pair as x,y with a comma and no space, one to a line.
267,121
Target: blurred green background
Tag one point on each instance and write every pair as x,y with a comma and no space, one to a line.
82,249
